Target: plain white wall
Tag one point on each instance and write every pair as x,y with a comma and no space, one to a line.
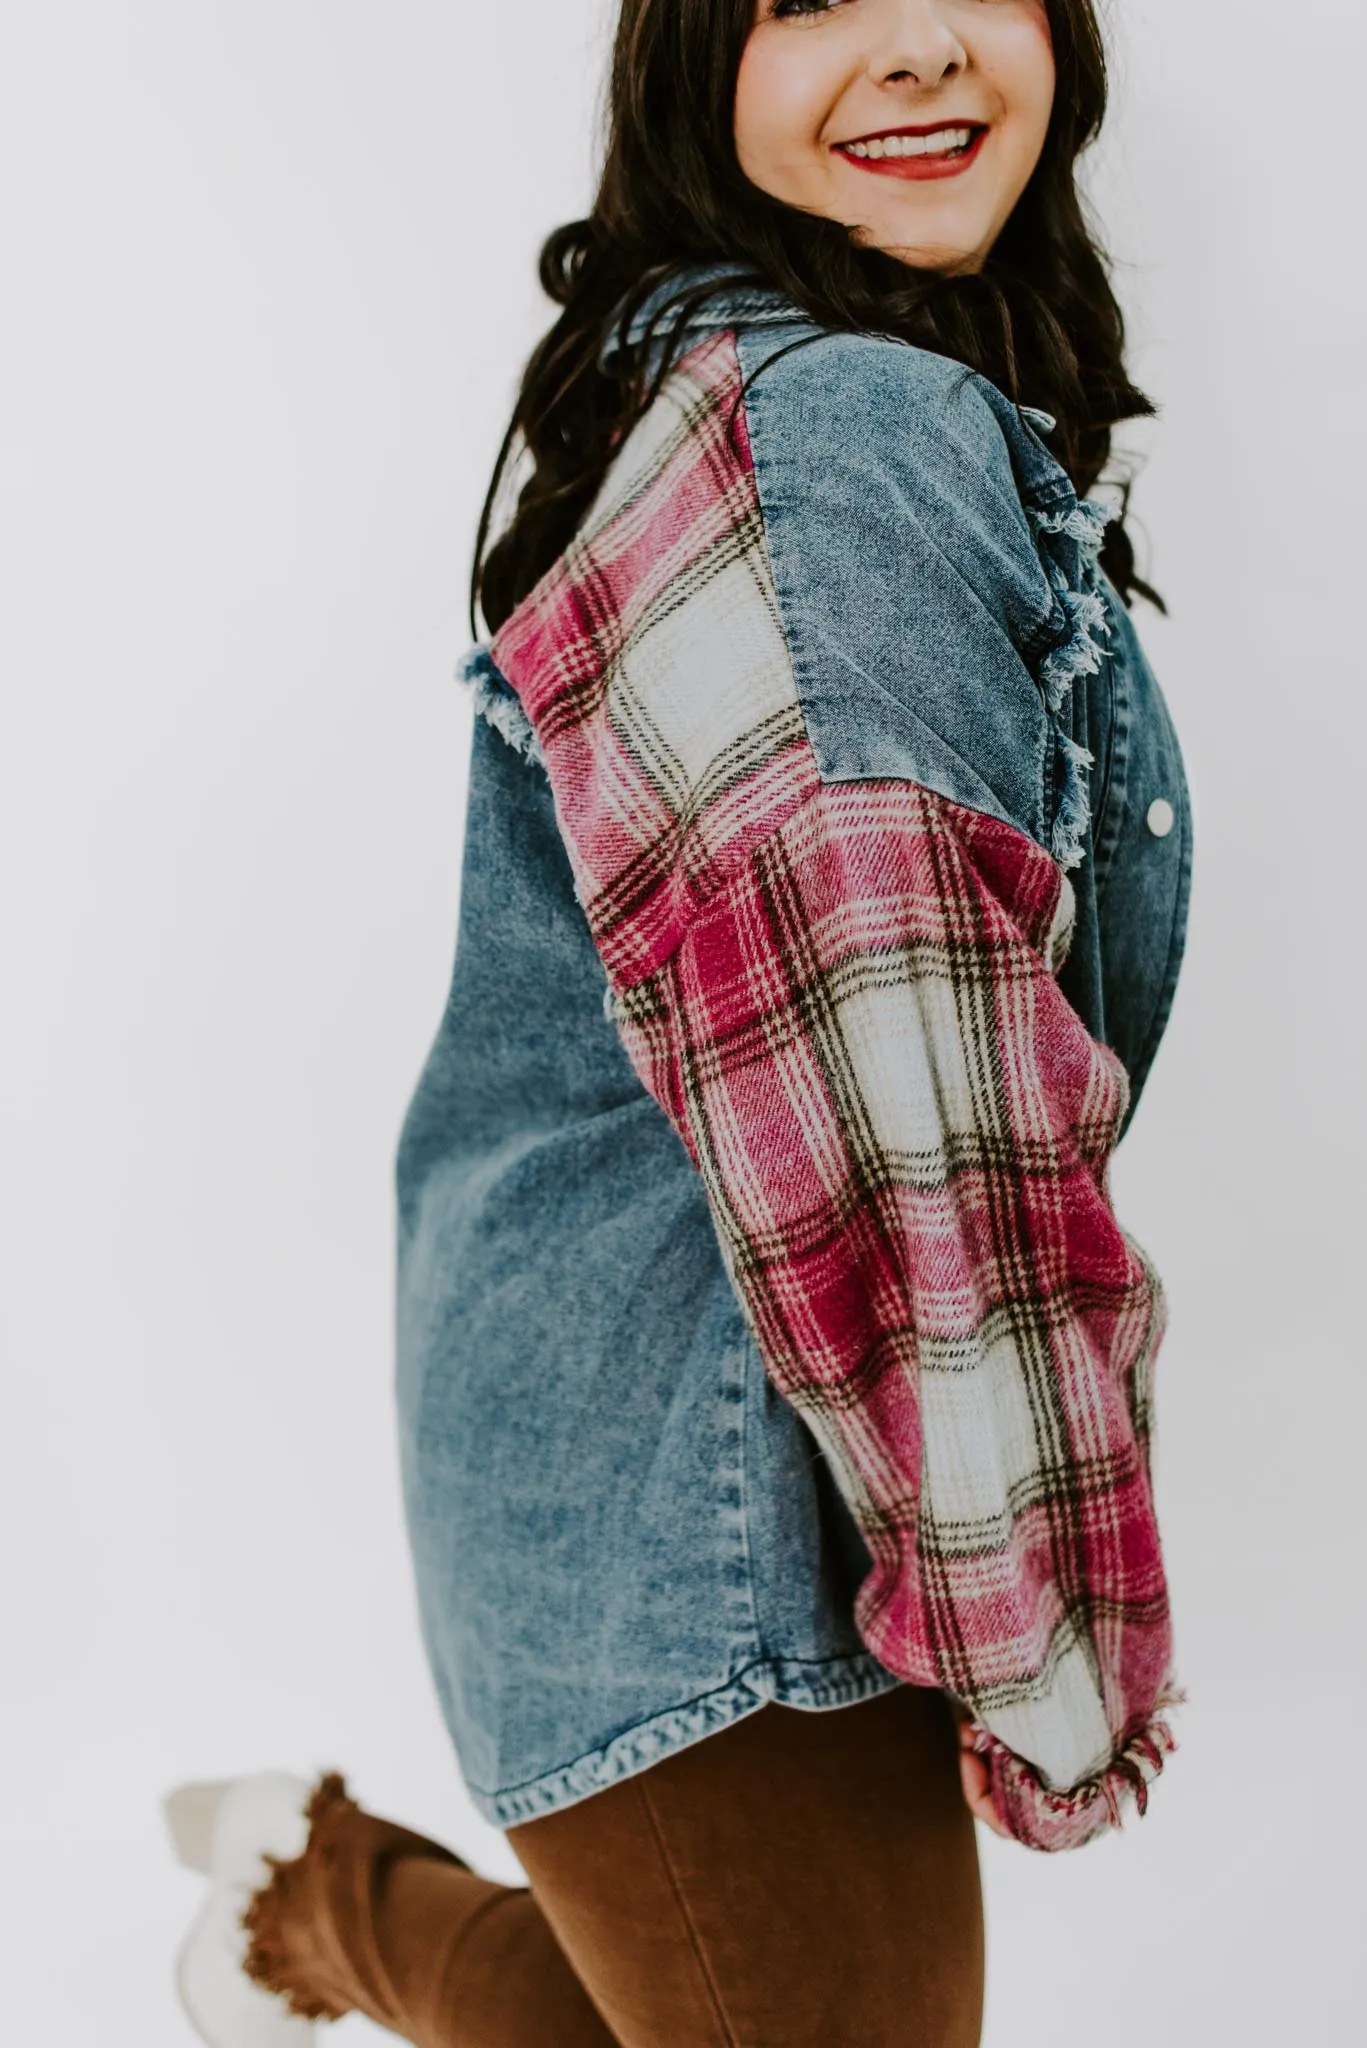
269,276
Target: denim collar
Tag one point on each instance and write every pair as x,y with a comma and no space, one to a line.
734,303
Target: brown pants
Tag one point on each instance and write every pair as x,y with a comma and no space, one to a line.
798,1878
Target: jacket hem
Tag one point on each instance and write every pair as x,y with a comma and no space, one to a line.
816,1686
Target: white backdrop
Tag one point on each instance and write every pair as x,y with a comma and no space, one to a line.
268,271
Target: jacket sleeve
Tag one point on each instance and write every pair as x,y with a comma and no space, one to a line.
904,1131
794,683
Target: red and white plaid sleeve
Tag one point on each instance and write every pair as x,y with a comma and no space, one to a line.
904,1130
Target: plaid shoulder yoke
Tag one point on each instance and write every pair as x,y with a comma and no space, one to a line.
843,995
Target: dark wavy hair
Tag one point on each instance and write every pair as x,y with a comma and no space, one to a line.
1040,319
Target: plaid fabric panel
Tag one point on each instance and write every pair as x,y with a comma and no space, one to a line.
660,788
844,998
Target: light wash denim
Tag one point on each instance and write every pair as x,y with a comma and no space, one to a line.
623,1537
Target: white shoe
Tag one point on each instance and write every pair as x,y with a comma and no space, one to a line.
226,1831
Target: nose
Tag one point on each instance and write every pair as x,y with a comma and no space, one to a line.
919,47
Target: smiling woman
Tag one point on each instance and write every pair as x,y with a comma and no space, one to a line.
838,105
775,1375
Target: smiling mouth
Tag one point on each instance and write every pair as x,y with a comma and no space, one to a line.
916,152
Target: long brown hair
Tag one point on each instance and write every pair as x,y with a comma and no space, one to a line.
1039,319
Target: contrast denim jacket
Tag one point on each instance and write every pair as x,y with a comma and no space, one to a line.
825,891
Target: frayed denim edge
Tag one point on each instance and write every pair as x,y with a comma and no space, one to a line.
792,1682
496,701
1075,577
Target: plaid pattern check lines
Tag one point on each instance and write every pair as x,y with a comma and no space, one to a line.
660,793
843,996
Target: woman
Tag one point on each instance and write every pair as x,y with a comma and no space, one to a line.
767,1339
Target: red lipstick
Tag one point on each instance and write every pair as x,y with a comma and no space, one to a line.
890,163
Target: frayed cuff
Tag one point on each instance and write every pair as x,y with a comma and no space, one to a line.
1041,1818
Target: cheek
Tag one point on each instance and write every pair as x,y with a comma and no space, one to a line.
780,107
1044,68
1018,57
1040,17
1038,53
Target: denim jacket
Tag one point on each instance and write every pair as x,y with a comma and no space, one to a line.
766,1330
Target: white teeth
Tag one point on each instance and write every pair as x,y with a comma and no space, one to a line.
938,143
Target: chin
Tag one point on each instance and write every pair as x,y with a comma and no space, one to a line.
925,255
920,243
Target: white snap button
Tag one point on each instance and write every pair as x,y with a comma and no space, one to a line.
1161,817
